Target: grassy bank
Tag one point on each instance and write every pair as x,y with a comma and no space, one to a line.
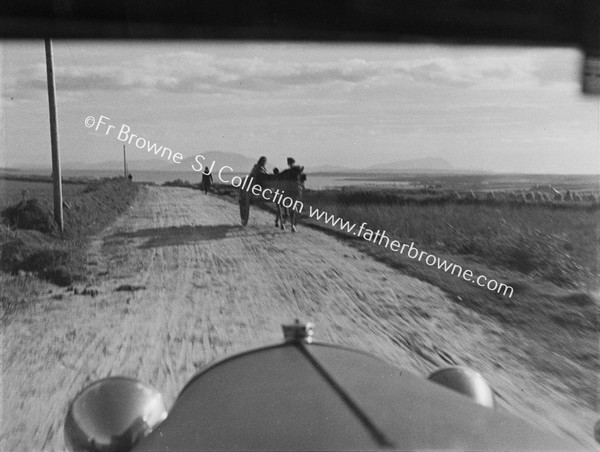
59,258
547,242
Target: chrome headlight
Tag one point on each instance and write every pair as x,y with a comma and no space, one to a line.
112,414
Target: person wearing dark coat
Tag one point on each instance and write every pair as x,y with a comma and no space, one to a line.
292,164
259,170
207,180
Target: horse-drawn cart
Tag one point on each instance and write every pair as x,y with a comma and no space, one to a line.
284,190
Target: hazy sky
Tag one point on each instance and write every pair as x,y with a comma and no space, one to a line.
487,108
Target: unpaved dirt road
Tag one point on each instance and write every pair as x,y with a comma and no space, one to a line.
211,287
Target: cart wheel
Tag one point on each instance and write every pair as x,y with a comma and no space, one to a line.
244,207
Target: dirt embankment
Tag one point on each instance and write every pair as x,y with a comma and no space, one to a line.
208,287
30,240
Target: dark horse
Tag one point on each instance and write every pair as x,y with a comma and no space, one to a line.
290,184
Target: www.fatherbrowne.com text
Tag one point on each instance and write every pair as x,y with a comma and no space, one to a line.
381,238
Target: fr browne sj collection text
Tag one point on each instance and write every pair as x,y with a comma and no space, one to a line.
125,135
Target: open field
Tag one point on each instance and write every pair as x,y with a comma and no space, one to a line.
88,208
556,242
13,191
464,182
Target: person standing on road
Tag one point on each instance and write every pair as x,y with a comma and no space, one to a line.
207,180
292,164
297,170
259,170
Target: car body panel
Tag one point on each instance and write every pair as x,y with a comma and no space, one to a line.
324,397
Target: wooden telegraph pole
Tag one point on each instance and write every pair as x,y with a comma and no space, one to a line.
124,163
56,174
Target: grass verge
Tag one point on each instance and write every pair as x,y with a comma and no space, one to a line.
60,258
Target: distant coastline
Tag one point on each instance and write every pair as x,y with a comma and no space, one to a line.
325,180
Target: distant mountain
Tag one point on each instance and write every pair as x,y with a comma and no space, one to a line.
238,162
428,164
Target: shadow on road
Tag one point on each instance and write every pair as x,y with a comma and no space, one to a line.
182,235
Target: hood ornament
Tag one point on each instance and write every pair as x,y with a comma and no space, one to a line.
298,332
